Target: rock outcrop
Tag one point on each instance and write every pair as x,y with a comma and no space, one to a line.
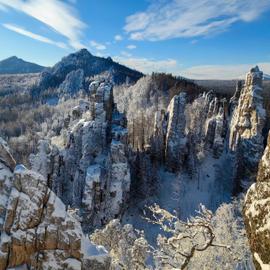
202,124
176,141
7,165
215,124
5,155
37,231
73,82
257,213
248,120
90,171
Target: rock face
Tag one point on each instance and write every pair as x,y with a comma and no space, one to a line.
202,124
246,127
91,171
5,156
73,83
36,230
176,142
7,165
257,213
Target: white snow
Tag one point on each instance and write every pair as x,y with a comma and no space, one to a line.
90,250
59,207
263,266
183,194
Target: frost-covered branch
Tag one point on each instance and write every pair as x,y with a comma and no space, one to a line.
182,239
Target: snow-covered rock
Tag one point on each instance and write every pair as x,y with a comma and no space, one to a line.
73,82
37,231
248,120
91,172
5,156
257,213
176,142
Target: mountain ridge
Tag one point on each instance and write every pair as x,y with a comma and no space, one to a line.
91,66
16,65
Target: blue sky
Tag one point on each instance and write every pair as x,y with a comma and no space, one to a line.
198,39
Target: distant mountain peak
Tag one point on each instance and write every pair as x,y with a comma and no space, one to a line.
90,65
15,65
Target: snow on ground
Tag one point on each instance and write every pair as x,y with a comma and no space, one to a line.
211,186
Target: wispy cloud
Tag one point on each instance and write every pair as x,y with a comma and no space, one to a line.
29,34
149,65
2,8
202,72
56,14
131,47
184,18
222,72
118,38
97,46
126,54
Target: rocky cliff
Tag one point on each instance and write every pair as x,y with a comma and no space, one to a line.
257,213
37,230
89,168
246,128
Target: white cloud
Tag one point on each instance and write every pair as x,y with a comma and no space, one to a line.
203,72
126,54
222,72
98,46
131,47
56,14
184,18
118,38
149,65
29,34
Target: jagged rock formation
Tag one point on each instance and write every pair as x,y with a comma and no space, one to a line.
193,135
187,129
246,127
7,165
36,230
257,213
176,142
90,170
216,125
73,82
5,156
